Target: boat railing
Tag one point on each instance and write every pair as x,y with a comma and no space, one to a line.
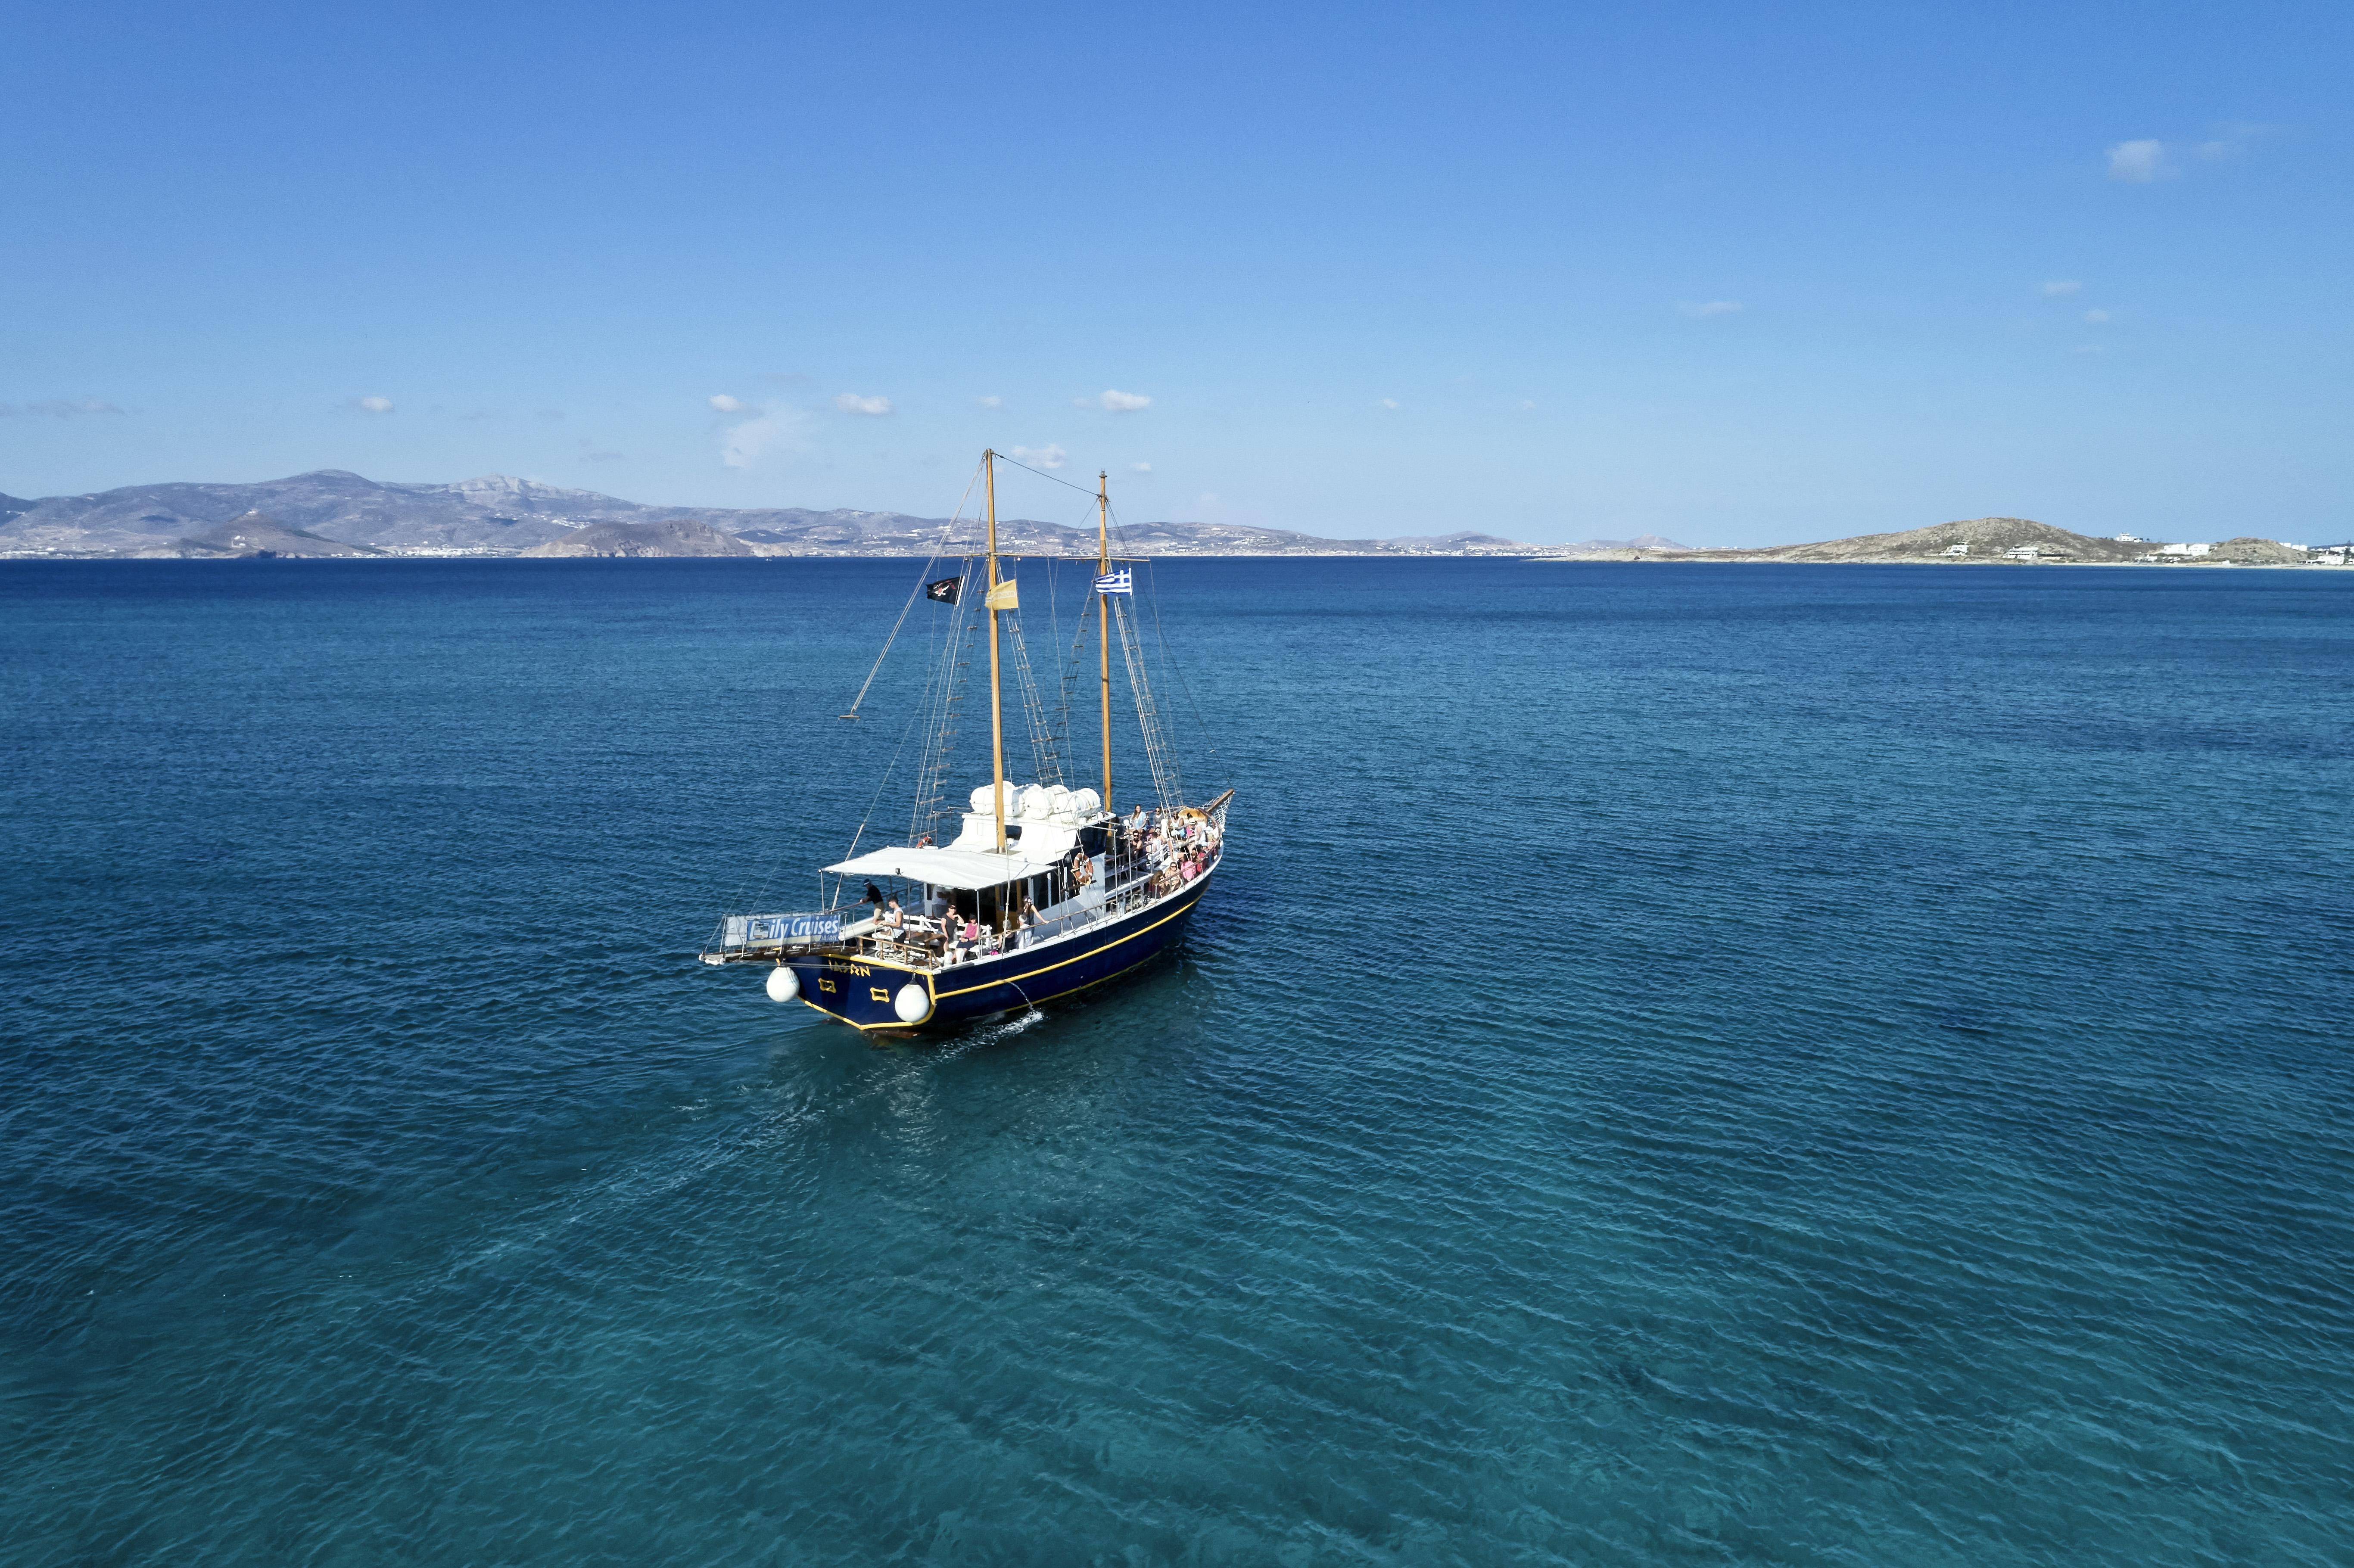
1130,882
916,941
741,937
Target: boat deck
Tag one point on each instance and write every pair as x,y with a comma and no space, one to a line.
920,942
1147,873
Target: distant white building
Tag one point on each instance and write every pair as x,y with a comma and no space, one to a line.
2184,549
2022,553
2129,539
1957,549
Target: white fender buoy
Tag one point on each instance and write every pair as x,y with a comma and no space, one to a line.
783,984
912,1003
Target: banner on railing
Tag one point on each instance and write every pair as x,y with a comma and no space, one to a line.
748,930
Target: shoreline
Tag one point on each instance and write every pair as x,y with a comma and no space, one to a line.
2187,562
1611,559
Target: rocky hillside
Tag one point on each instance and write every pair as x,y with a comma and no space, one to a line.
673,536
256,535
2249,551
1981,539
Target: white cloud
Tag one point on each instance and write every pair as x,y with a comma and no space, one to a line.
1047,456
990,402
2060,288
728,405
852,403
1703,310
772,431
58,408
2139,162
1140,468
2231,140
374,405
2096,317
1389,402
1124,402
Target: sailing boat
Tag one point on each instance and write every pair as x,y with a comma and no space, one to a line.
1044,891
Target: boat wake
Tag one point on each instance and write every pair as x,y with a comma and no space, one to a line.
991,1034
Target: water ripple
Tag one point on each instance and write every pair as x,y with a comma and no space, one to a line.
1867,1084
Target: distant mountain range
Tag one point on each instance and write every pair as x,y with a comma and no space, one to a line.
332,512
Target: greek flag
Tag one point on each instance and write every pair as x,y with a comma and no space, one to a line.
1116,582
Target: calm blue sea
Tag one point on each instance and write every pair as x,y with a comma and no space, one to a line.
1683,1064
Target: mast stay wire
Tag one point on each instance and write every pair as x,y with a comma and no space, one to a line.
1169,661
1042,474
1156,745
946,529
757,886
917,719
1168,655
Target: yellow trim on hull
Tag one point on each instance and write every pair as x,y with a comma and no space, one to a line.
1108,947
1201,885
1013,980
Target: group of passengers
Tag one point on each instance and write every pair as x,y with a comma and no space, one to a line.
1173,846
1168,847
946,933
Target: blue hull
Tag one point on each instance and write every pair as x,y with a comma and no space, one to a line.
861,991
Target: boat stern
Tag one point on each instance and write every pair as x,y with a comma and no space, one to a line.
864,993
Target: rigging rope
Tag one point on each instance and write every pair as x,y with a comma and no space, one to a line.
1065,483
1169,662
946,529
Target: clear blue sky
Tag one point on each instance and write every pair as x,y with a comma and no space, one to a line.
1730,274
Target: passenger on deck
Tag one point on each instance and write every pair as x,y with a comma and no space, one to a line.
893,919
874,896
1029,931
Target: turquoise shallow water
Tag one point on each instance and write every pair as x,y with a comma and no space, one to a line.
1739,1065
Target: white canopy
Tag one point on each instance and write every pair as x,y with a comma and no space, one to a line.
962,869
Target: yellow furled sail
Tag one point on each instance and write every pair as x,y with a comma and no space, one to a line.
1002,596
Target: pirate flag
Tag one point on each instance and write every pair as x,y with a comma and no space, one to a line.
944,590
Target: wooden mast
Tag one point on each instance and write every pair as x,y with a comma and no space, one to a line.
1103,624
996,700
